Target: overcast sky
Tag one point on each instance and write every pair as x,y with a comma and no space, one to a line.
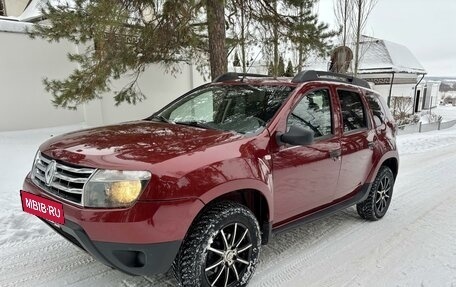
426,27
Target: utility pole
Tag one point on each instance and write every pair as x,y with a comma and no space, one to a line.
358,34
243,36
275,43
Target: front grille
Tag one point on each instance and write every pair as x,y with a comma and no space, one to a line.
67,182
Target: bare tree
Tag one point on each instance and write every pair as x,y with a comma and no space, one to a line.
352,16
403,111
362,10
343,12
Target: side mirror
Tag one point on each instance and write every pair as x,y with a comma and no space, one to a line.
296,136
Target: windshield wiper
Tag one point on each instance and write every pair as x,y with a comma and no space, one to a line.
162,119
196,124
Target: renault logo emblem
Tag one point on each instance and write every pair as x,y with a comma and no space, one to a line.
50,172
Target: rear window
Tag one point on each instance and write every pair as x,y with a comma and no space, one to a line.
378,107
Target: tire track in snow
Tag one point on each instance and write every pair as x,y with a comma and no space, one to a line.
341,250
52,261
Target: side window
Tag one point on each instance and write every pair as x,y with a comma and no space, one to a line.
377,110
353,112
313,112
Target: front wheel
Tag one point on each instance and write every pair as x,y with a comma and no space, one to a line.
221,249
377,203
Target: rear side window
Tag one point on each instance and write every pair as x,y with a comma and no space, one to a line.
377,109
353,112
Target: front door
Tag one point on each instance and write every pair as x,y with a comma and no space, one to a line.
305,177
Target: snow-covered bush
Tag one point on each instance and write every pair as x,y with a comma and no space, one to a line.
404,119
403,111
429,117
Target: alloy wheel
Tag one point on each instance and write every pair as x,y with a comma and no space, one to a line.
383,195
228,256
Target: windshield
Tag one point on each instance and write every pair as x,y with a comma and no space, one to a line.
242,108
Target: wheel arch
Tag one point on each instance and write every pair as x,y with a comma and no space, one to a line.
393,164
389,159
255,200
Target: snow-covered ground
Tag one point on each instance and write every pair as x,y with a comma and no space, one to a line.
413,245
448,112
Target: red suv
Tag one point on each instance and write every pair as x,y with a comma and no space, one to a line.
204,182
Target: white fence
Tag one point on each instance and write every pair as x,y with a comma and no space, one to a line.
24,104
422,128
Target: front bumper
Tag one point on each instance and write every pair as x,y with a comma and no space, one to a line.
133,259
140,240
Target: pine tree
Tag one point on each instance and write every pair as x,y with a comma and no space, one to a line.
281,67
131,35
290,71
305,32
236,61
123,37
215,10
271,69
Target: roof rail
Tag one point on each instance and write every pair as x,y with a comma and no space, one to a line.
231,76
311,75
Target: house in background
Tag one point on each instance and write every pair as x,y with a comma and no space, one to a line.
392,70
431,94
447,89
395,73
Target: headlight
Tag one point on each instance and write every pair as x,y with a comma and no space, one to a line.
114,188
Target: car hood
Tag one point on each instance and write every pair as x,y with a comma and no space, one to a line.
132,145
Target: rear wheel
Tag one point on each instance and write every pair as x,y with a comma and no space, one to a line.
221,249
377,203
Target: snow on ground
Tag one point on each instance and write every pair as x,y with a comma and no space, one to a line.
448,112
413,245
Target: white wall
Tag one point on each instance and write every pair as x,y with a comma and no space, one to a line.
397,89
24,104
159,88
432,94
15,7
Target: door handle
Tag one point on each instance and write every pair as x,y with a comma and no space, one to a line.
335,154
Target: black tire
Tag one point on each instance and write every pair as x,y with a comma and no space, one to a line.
377,203
225,237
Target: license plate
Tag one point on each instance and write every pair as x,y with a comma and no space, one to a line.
42,207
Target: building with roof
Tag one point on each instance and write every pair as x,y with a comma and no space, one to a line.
394,72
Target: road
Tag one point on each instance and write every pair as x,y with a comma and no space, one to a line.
413,245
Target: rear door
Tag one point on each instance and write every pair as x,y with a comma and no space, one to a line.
357,141
305,177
